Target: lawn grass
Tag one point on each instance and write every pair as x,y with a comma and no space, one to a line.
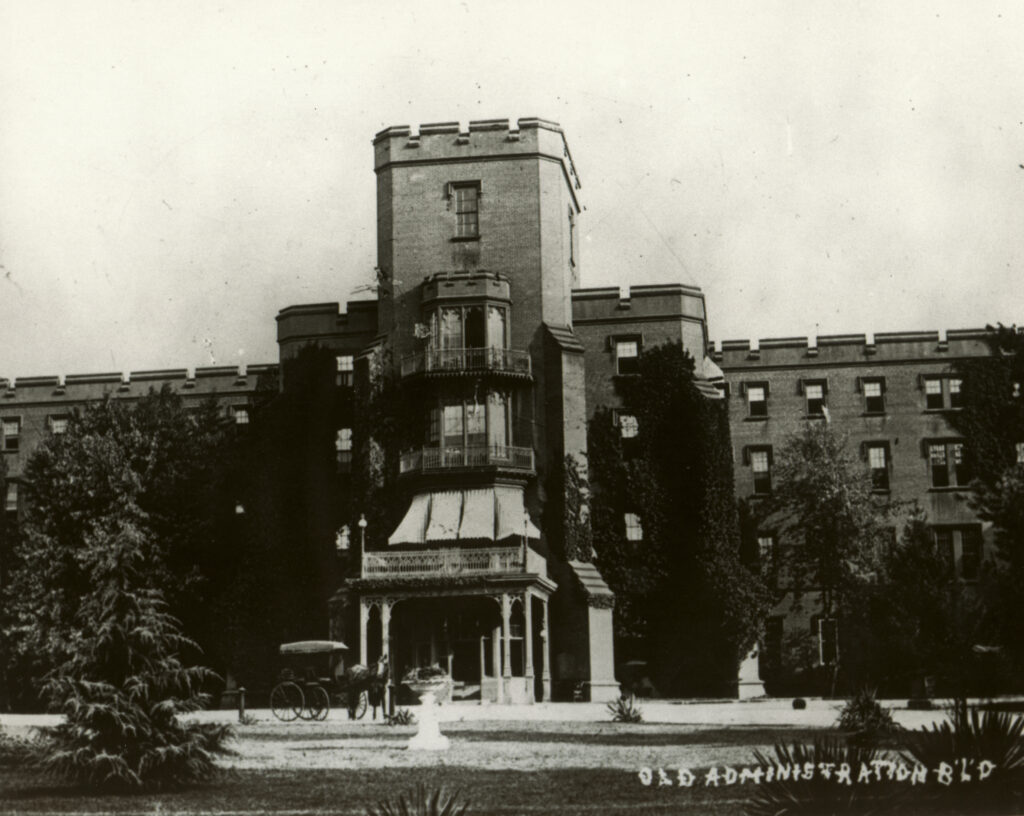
505,793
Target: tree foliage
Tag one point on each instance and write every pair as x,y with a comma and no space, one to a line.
830,528
684,600
992,424
107,543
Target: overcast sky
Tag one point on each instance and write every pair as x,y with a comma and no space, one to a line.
173,174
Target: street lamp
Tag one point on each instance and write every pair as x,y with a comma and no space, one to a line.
362,533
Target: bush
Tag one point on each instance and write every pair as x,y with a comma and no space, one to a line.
865,718
625,710
421,803
799,704
402,717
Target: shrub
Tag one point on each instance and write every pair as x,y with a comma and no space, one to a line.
421,803
402,716
818,795
17,751
866,719
625,710
799,704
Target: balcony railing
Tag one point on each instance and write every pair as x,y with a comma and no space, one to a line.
447,561
468,359
428,460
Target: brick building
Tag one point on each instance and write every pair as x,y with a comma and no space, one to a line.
480,319
892,396
32,408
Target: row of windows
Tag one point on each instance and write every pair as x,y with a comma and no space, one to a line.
968,537
940,393
10,427
946,464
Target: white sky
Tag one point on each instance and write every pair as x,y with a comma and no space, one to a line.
173,174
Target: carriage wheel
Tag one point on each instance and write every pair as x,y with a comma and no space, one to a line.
286,701
318,703
360,708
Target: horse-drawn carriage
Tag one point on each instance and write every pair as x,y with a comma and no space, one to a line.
303,693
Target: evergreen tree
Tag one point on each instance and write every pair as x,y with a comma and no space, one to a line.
96,566
684,601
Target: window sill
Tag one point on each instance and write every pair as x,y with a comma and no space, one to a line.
814,416
941,410
950,489
873,414
881,491
755,419
464,238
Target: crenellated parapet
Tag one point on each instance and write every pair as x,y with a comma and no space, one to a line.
73,389
637,303
849,349
491,138
326,324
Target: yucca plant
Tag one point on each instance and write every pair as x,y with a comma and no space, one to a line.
625,710
818,795
421,802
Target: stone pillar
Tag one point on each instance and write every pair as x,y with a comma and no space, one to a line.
364,619
545,634
496,661
385,649
528,644
506,631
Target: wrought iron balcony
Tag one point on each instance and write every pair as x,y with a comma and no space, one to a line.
432,460
446,561
476,360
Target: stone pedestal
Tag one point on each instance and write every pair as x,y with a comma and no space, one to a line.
428,737
749,683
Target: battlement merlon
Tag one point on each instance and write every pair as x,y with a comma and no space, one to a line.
846,349
484,139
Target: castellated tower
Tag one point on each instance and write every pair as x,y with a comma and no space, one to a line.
477,258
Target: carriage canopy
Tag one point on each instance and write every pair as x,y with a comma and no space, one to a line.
312,647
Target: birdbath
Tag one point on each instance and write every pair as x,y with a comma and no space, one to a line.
428,684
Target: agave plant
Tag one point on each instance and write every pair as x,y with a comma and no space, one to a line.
819,795
421,803
625,710
973,735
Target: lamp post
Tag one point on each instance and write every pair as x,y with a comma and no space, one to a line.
362,535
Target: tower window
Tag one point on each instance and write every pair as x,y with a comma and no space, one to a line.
933,393
467,210
343,447
947,466
815,393
761,468
956,396
628,426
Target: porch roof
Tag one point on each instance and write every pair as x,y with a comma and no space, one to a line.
491,513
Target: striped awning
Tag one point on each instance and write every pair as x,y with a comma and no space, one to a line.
491,513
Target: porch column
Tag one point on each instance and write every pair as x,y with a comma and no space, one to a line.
385,648
528,622
545,635
506,631
364,619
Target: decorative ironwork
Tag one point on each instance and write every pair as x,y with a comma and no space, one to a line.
433,360
446,561
447,458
